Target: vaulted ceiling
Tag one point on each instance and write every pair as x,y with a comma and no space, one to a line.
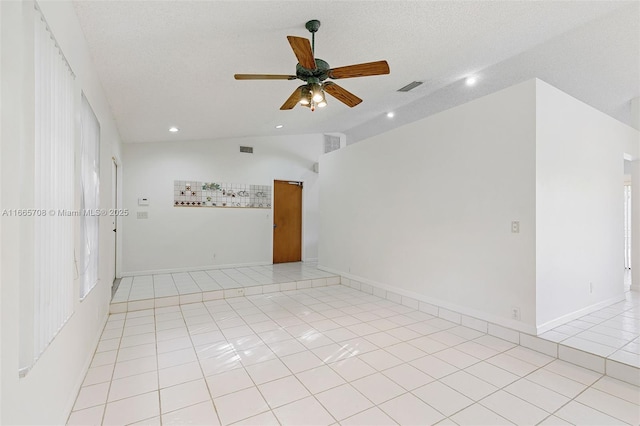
171,63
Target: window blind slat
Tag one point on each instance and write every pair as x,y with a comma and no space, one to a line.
54,191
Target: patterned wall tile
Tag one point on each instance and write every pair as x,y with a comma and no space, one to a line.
220,194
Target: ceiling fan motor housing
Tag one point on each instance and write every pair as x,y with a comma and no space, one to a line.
321,72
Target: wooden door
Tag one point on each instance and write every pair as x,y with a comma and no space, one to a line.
287,221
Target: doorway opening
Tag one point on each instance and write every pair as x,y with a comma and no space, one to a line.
627,225
287,221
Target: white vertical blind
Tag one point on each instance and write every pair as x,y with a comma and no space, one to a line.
89,197
54,188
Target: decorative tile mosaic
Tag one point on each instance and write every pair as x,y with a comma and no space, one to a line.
217,194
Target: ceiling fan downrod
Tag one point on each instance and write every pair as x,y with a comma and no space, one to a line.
313,26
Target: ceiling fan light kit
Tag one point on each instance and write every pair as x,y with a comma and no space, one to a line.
314,71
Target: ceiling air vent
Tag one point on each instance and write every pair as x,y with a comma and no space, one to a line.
410,86
247,149
331,143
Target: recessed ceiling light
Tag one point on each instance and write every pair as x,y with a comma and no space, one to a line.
471,81
279,126
174,129
390,114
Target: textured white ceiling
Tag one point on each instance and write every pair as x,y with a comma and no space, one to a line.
165,63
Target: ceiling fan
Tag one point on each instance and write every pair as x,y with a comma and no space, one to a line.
314,71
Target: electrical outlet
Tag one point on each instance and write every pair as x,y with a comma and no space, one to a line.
590,287
515,313
515,227
234,292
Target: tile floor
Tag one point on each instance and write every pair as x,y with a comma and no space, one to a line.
330,355
612,332
174,284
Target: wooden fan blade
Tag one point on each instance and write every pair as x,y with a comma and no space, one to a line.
341,94
360,70
264,77
302,48
293,99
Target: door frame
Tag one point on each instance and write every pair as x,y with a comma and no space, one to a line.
302,218
116,186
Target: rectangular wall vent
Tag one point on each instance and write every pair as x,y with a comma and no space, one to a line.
410,86
247,149
331,143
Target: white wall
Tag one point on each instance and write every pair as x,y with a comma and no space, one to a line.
579,205
425,210
46,394
635,112
175,238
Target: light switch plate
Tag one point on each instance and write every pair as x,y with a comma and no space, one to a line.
515,227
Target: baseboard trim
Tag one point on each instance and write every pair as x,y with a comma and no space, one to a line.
194,268
395,294
577,314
